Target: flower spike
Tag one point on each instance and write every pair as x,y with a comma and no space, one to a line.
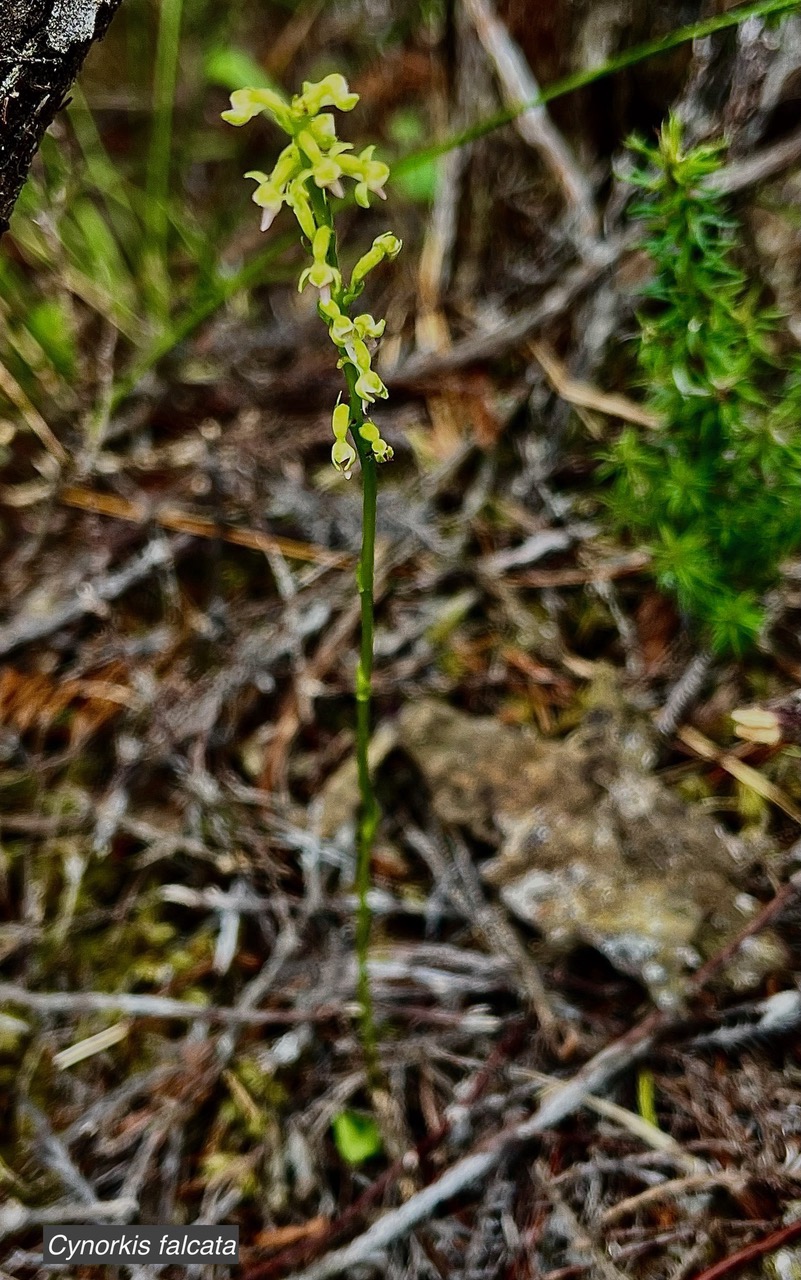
312,166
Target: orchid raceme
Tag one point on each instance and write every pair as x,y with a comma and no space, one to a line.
308,173
316,160
315,151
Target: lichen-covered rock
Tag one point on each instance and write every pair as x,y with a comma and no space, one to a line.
593,847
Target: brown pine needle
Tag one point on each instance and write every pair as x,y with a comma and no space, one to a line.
107,504
584,396
14,392
738,769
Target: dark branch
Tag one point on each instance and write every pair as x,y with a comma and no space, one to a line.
42,47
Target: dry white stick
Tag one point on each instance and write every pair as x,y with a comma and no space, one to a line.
556,1105
757,168
643,1129
145,1006
488,344
90,597
16,1217
534,125
672,1187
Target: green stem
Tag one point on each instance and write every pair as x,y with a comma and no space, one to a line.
369,814
365,580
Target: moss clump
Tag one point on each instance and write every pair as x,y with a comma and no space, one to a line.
714,490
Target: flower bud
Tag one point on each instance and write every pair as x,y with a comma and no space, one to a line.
369,432
321,242
329,310
340,421
287,166
359,355
384,246
308,144
323,129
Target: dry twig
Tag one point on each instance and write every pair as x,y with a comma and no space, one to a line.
534,124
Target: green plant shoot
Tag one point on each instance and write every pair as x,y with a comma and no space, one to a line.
714,490
356,1137
311,170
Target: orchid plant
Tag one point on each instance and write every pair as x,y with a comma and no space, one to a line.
311,169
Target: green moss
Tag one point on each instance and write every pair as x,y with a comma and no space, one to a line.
721,475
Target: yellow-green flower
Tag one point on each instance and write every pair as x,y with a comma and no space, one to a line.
327,173
321,275
314,154
268,196
367,327
341,330
343,454
331,91
247,103
344,457
369,387
370,175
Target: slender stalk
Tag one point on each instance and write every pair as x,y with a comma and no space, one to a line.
369,812
365,581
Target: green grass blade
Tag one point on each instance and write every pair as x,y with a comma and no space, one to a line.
165,78
580,79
